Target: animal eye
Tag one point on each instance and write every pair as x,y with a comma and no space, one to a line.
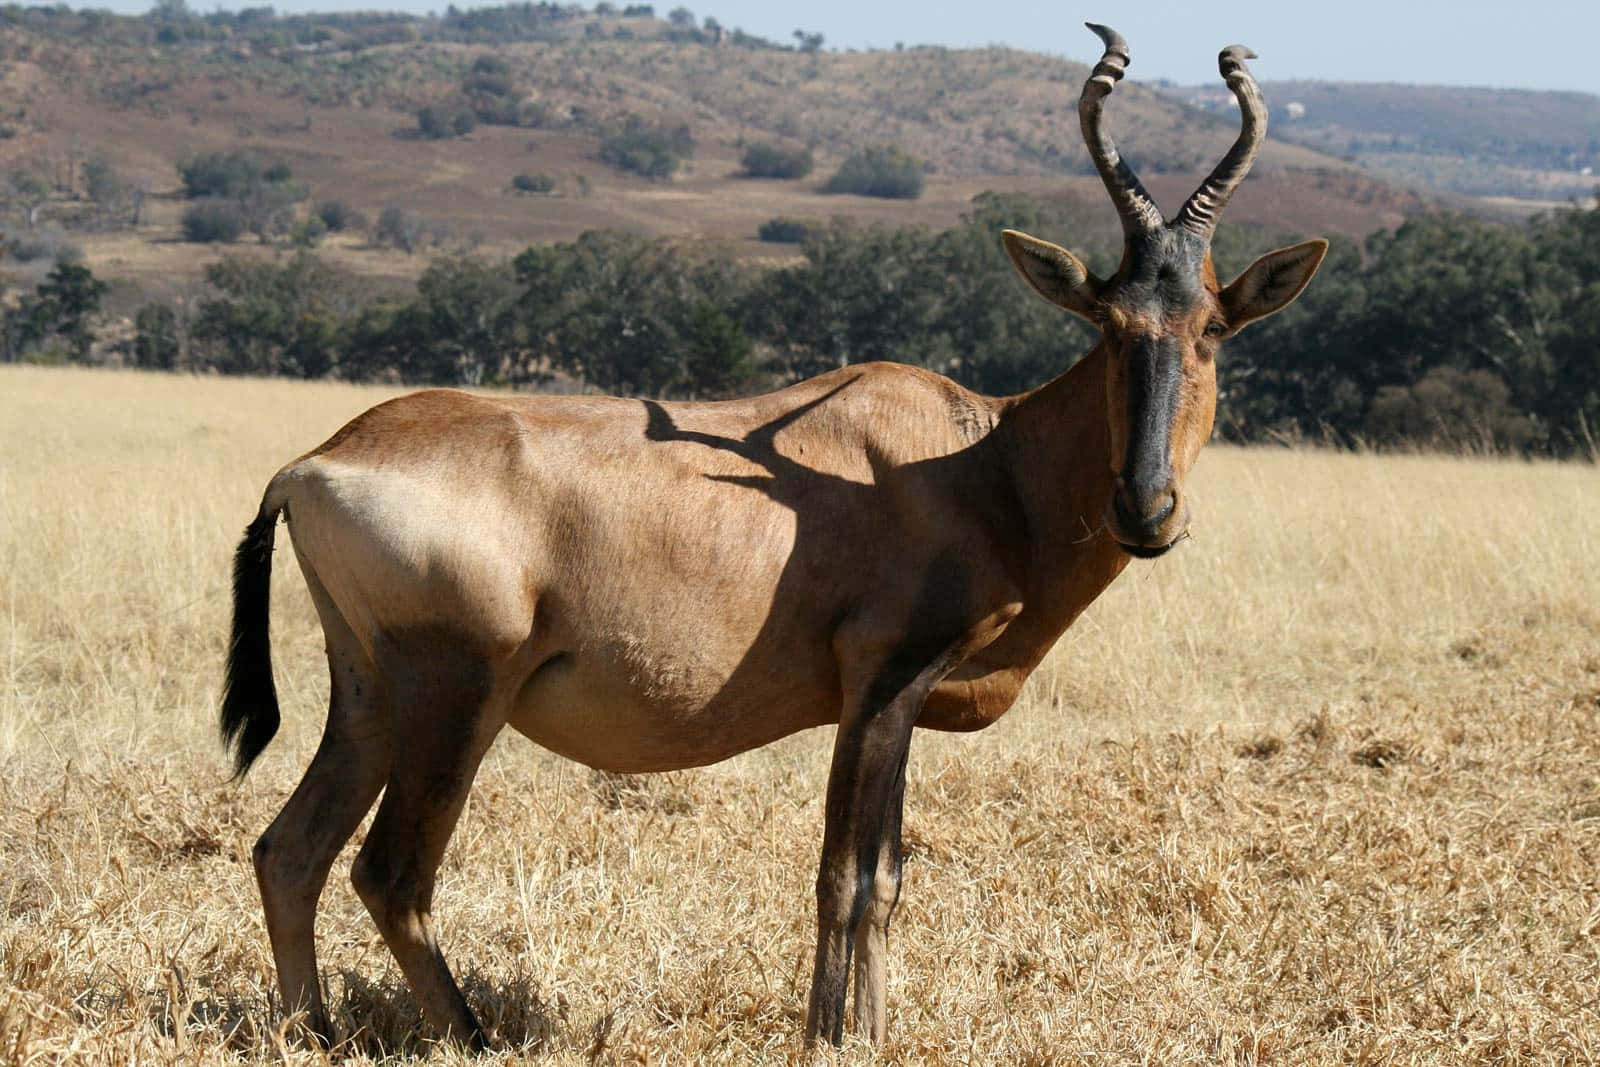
1215,329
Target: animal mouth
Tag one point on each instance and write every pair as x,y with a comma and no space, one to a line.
1146,551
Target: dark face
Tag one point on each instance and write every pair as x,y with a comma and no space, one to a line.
1161,321
1162,315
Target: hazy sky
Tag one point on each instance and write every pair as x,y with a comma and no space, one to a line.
1540,44
1545,44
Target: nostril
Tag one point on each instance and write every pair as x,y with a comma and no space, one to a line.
1169,503
1143,515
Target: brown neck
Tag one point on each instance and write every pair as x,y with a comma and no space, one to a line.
1052,456
1058,452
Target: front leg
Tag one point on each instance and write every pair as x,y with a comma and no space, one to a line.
887,675
856,888
872,934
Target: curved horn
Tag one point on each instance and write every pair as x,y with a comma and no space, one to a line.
1200,213
1139,213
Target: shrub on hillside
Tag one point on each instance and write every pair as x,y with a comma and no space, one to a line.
338,216
258,195
308,232
491,64
103,182
213,220
490,74
533,183
493,98
398,227
487,84
770,161
218,174
440,121
882,170
534,114
44,243
784,229
652,151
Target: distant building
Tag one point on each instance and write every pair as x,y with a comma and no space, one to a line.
1294,109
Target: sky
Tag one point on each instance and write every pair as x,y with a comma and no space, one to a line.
1552,44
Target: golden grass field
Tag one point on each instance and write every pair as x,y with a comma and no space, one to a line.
1323,786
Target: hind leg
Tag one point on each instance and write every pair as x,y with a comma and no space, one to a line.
293,857
444,723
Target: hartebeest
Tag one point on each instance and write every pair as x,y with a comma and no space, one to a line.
645,586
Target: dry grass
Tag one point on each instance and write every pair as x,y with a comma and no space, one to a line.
1318,788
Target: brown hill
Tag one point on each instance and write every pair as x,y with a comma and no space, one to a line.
1498,145
345,121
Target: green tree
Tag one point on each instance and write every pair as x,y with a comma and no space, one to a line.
156,341
1449,408
1569,241
62,306
861,294
1302,372
988,330
713,349
274,319
634,316
470,327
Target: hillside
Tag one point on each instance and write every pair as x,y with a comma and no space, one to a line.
1541,147
339,106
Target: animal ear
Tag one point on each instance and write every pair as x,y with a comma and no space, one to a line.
1271,283
1055,274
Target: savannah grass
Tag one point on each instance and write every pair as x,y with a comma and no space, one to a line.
1319,786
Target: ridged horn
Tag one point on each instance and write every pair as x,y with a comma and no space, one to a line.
1138,211
1204,208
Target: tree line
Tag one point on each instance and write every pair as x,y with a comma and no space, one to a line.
1446,332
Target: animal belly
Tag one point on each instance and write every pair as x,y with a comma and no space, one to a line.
599,710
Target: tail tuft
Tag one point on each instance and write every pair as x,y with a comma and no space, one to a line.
249,699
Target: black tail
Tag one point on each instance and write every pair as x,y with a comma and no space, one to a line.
249,699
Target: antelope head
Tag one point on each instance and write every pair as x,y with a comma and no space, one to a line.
1162,315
